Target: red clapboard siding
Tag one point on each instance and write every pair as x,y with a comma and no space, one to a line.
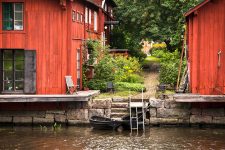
206,36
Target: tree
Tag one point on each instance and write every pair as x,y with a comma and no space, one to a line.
158,20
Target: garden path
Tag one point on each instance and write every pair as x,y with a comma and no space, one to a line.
151,82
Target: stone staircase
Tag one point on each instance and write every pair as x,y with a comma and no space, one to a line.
119,107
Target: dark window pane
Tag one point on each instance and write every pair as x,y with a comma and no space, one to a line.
8,75
19,55
19,75
18,7
7,11
8,65
8,55
8,85
19,85
19,65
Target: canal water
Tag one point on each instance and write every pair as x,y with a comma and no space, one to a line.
76,138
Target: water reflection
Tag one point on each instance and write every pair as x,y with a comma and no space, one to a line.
75,138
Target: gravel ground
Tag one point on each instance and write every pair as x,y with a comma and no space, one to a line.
151,82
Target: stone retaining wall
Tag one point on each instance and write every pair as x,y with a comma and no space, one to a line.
162,112
169,112
74,113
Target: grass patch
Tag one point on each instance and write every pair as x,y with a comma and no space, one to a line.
117,94
151,59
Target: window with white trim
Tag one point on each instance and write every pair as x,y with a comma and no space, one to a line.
12,16
89,16
86,15
95,21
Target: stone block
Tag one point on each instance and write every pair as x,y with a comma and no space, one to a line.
119,105
62,112
60,118
101,103
96,112
172,113
215,112
119,99
49,116
87,105
77,114
157,103
152,112
163,121
22,120
6,120
219,120
107,113
200,119
74,105
185,121
43,120
196,111
23,113
172,104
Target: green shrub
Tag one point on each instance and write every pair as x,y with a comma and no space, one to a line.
96,84
134,78
169,66
158,53
125,86
104,70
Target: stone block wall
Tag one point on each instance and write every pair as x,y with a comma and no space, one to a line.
169,112
73,113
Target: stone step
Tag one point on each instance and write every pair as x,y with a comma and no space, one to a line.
119,110
118,115
119,105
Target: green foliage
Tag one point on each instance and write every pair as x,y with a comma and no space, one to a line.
97,84
169,67
124,67
104,70
158,53
118,69
133,78
129,86
158,20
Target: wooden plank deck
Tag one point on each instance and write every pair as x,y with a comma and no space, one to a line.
80,96
195,98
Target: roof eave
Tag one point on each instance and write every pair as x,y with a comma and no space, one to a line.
196,8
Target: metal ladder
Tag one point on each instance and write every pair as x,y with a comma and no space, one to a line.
136,106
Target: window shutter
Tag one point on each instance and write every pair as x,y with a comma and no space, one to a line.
30,72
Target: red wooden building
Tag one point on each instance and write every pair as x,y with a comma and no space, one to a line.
41,42
206,47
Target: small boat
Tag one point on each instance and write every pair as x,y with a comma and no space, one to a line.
98,122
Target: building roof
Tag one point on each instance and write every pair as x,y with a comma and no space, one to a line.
196,8
91,2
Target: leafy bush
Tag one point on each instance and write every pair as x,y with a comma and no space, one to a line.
96,84
104,70
134,78
158,53
124,67
158,46
129,86
169,67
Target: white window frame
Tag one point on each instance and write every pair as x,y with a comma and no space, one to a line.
86,15
95,21
14,19
89,20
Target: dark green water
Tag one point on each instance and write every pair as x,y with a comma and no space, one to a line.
75,138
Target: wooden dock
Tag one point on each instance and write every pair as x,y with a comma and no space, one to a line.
195,98
79,96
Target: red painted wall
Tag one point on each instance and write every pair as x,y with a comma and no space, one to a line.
206,36
51,32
